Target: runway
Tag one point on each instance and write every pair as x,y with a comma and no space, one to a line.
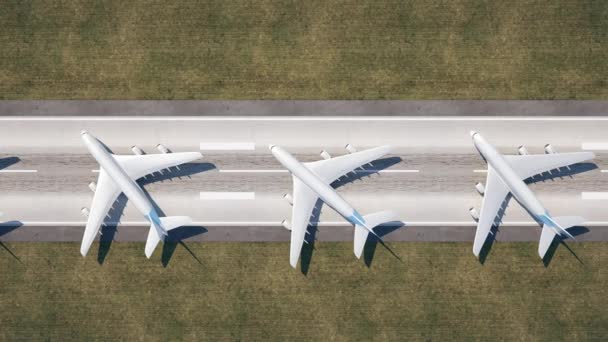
235,193
303,107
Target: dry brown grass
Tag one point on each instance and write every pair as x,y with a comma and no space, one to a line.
248,291
386,49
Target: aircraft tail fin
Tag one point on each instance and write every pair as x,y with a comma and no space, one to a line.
155,236
549,232
371,221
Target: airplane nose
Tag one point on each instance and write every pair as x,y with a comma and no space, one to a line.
472,133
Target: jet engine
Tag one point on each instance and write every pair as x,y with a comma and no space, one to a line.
162,148
288,198
522,150
286,224
480,188
136,150
93,186
474,213
325,155
85,211
350,148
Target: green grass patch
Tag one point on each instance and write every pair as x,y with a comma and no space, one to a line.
314,49
248,291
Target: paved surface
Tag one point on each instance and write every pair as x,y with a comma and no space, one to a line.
305,108
428,179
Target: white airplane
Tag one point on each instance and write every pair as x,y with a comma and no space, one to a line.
118,173
311,181
506,174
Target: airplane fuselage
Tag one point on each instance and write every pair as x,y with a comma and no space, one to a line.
315,183
128,186
520,191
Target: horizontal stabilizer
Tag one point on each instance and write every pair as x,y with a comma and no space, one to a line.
168,223
172,222
371,221
549,233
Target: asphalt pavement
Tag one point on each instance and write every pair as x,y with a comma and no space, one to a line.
304,108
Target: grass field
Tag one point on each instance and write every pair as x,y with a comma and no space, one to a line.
247,291
313,49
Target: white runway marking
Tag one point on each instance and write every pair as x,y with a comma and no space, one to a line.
604,171
480,171
18,171
227,146
95,171
278,170
303,118
594,146
388,171
227,195
594,195
252,171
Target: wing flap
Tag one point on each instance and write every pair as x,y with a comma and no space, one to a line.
495,194
137,166
304,200
331,169
106,193
527,166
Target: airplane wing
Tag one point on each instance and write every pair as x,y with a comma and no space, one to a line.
530,165
495,193
304,200
137,166
334,168
106,193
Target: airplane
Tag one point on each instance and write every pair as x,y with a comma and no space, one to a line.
311,181
118,174
506,174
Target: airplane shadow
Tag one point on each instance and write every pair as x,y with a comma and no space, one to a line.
176,237
366,171
560,240
10,225
561,173
6,228
569,171
8,161
487,246
312,229
184,170
310,238
109,228
372,241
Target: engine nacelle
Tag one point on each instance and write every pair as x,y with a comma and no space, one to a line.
288,198
350,148
286,224
325,155
522,150
85,211
474,213
480,188
162,148
93,186
549,149
136,150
